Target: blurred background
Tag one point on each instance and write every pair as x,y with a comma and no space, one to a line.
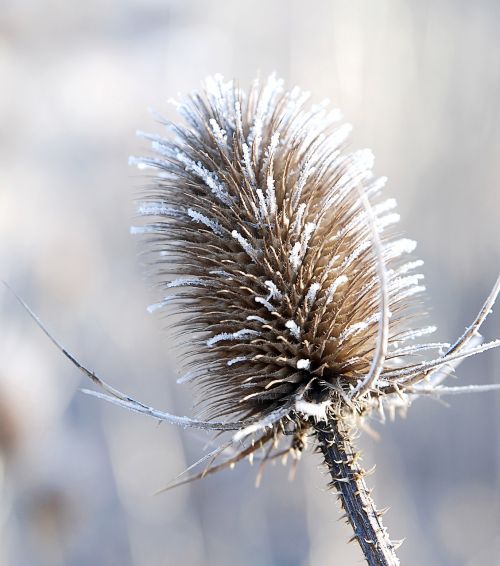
420,81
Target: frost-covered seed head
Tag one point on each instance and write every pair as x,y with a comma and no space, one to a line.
283,258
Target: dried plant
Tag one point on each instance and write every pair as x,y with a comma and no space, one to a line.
302,309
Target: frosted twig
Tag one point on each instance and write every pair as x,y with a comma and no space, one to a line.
116,397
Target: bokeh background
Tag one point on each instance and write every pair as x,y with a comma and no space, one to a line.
421,83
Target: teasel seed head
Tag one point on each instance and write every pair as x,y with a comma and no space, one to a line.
301,302
276,245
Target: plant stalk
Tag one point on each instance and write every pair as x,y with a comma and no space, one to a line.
335,441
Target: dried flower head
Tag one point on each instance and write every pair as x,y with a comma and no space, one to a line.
300,302
275,244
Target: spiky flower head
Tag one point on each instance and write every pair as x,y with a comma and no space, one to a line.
300,300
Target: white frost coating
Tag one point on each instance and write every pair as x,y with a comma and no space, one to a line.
143,230
271,148
376,186
219,93
222,273
189,376
167,175
186,112
268,420
396,279
151,137
270,90
409,266
294,329
306,171
361,164
357,327
163,148
385,206
311,294
265,303
303,363
208,177
441,390
208,222
365,159
142,163
296,98
239,120
413,370
187,282
403,282
341,280
353,256
384,221
156,306
275,140
340,135
400,247
274,292
381,222
254,317
271,195
263,211
350,361
316,410
219,134
313,140
294,257
224,336
247,161
244,243
299,248
297,223
158,209
236,360
412,334
410,292
308,232
441,346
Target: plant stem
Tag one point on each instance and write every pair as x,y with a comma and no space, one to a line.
335,441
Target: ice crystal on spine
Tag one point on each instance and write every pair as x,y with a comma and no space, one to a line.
286,266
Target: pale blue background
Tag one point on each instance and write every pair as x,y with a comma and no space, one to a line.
420,81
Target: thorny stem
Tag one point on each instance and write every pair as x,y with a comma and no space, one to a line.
341,458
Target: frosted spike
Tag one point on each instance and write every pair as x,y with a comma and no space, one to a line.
237,360
231,336
254,317
341,280
159,209
265,303
294,328
251,251
208,177
274,292
311,294
202,219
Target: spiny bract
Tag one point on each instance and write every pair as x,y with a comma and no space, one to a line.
276,246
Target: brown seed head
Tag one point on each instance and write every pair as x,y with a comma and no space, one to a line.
275,244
